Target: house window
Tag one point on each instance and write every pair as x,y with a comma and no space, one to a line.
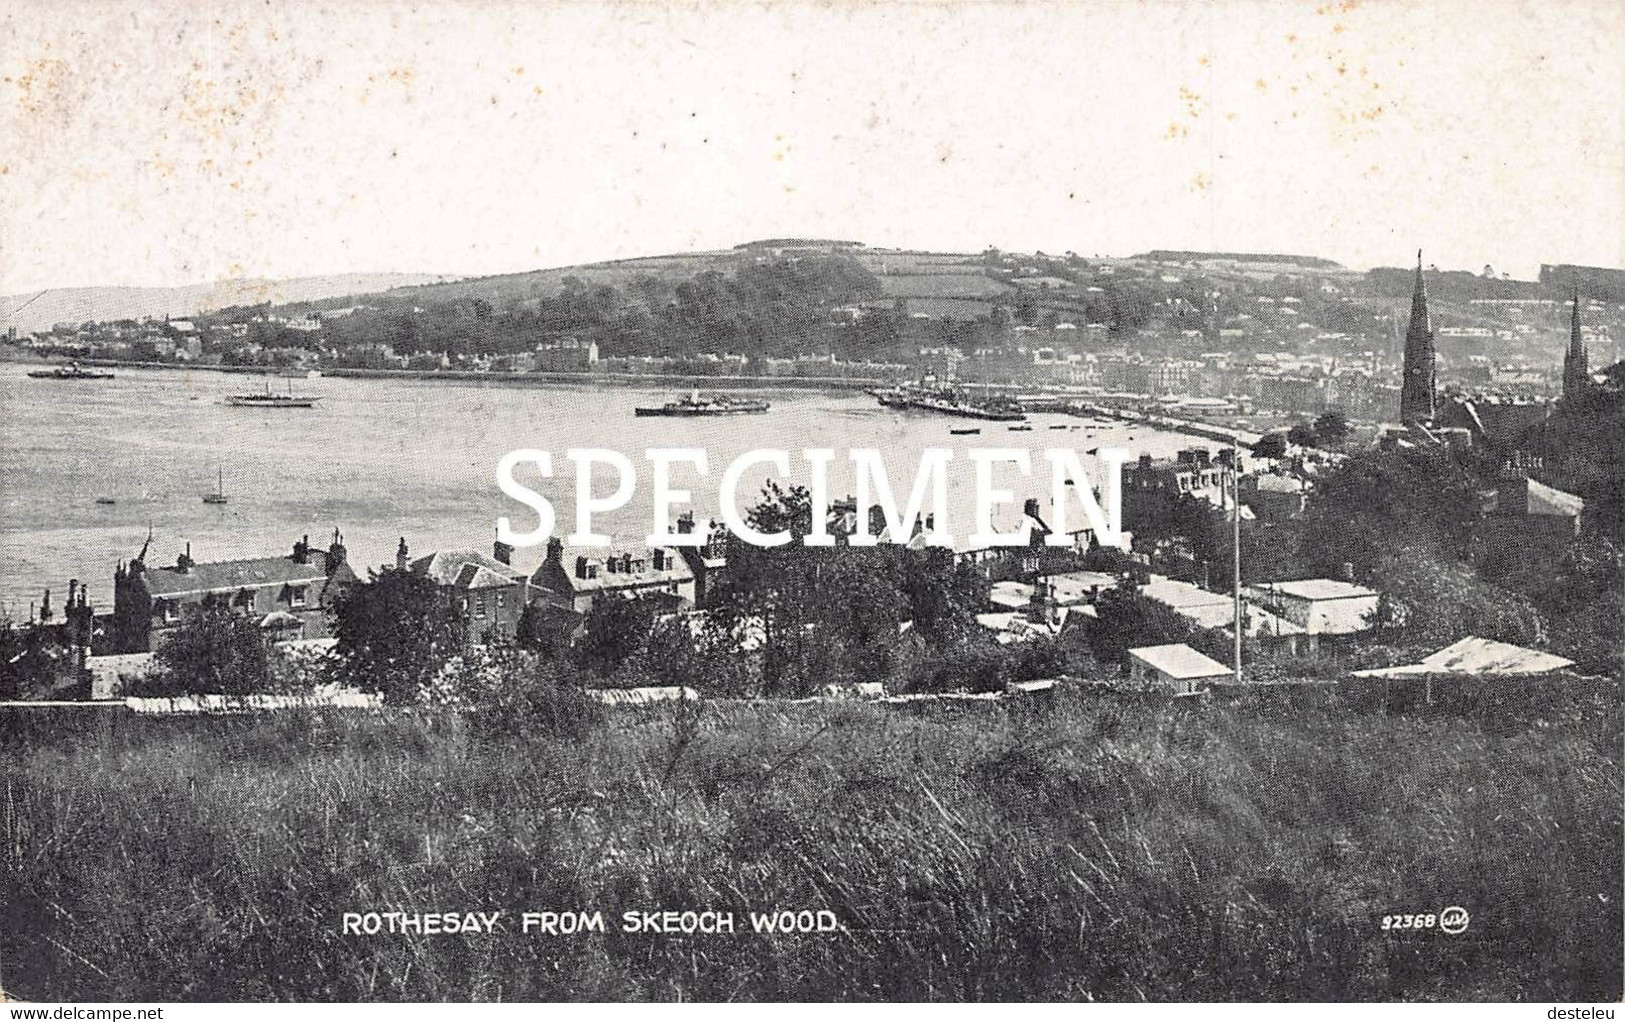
245,599
499,601
171,610
296,596
479,606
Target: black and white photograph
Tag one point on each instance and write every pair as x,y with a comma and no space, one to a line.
1114,502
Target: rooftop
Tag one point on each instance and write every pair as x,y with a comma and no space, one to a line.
1270,483
1474,655
1177,660
220,576
467,569
1183,595
624,569
1318,589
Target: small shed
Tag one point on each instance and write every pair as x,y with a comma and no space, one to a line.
1174,668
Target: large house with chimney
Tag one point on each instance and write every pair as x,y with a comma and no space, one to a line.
571,584
709,562
486,592
288,596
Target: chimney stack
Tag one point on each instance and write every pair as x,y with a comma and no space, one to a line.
403,556
336,553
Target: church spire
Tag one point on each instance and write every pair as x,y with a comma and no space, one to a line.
1416,395
1576,361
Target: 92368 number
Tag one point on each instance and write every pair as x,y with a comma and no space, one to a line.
1411,921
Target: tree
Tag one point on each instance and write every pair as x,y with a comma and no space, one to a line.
1301,435
27,661
1127,620
216,652
395,633
1332,428
1377,500
615,629
1271,445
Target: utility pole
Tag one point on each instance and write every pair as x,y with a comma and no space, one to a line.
1235,552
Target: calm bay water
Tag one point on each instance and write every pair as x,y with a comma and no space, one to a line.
381,459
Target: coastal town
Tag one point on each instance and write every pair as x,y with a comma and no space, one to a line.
1199,333
1256,466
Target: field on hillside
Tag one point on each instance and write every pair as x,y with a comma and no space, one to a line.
940,285
1074,847
950,308
505,287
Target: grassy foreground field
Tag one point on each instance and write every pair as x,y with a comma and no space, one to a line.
1069,847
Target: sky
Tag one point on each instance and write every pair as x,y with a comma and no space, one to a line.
173,143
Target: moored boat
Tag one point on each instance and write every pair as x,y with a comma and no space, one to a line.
219,494
949,401
71,371
716,404
271,400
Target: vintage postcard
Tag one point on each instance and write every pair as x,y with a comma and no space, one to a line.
803,502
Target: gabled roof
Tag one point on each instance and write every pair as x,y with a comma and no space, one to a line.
1177,660
467,569
228,576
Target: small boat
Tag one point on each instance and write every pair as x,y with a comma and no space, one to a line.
71,371
1020,429
219,494
1062,425
106,500
270,400
973,431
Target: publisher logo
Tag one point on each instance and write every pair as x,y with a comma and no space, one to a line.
1453,920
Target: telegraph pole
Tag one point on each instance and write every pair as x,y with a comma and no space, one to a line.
1235,552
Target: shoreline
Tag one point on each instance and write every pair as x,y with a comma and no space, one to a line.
652,381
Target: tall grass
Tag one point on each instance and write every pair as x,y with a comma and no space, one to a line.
1080,847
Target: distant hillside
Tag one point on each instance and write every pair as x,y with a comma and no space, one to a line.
506,287
41,310
1165,255
1593,281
